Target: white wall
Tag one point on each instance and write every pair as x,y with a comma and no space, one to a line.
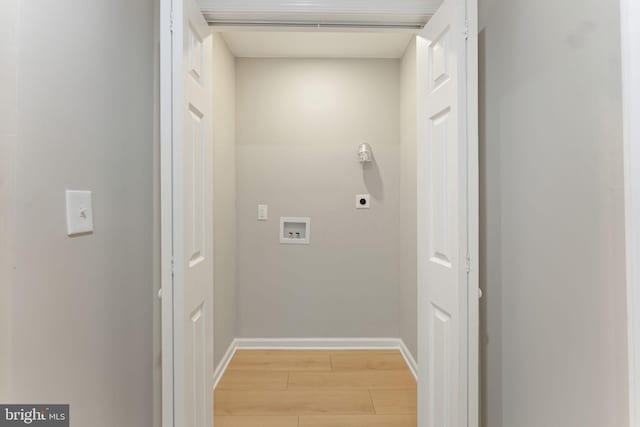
299,123
82,307
408,202
552,214
8,140
224,203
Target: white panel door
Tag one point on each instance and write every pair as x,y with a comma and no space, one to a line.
193,219
445,230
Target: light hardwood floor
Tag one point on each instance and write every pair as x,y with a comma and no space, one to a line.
301,388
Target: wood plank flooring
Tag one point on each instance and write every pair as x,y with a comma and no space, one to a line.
301,388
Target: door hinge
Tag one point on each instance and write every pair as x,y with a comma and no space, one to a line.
468,265
466,29
173,265
171,23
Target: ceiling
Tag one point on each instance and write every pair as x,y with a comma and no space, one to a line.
324,44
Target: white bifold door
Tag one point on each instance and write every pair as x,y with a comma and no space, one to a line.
193,217
447,218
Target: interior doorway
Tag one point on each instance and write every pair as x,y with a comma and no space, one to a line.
443,71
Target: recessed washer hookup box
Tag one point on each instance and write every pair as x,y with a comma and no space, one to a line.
34,415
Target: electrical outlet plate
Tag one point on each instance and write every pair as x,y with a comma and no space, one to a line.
363,201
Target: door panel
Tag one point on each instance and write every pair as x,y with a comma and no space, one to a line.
443,212
195,148
193,203
441,226
440,380
198,371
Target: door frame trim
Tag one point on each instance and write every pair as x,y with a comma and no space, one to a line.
170,48
473,216
630,44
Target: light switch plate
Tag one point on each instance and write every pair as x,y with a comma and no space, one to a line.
79,212
263,212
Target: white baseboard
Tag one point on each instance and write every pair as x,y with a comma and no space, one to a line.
318,343
408,357
224,362
314,344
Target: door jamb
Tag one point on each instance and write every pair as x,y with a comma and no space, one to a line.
166,210
630,44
